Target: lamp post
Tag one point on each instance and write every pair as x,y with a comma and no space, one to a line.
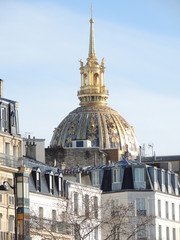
21,194
4,187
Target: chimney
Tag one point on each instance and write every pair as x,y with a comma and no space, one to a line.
78,177
55,164
1,88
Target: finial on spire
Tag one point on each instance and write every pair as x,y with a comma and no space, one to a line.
91,10
92,52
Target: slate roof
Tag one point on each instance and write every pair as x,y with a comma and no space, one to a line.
30,163
127,174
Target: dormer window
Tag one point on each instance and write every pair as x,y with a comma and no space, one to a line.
174,178
4,119
59,182
163,180
95,178
139,178
50,181
139,174
116,175
36,174
155,174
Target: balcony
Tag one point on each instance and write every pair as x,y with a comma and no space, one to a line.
7,236
141,212
8,161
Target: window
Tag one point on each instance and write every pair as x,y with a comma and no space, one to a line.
139,178
115,207
159,208
115,233
155,175
87,205
51,184
163,177
11,223
38,181
167,233
96,207
95,178
11,200
36,174
10,181
49,175
41,216
79,144
7,150
116,175
139,174
77,231
174,234
0,221
96,233
140,207
176,184
173,211
167,210
76,203
14,153
141,232
54,222
59,182
160,232
0,198
4,119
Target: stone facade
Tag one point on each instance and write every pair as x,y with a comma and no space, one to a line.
73,157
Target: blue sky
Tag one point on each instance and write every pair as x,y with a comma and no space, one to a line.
42,41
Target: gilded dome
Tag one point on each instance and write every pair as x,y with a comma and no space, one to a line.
102,125
94,121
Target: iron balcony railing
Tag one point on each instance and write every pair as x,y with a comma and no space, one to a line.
7,236
9,161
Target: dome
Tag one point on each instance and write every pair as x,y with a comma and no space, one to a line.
94,120
103,126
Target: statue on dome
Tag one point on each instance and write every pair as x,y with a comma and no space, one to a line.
102,62
81,63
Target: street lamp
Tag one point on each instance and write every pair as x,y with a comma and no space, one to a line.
4,187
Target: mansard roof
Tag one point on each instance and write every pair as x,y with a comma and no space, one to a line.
155,179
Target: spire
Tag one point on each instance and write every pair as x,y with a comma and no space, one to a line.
92,52
92,90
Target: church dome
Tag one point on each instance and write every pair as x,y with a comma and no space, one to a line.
94,120
102,125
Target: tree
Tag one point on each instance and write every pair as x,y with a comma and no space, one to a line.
82,214
121,222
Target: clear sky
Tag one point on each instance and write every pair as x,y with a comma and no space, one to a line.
42,41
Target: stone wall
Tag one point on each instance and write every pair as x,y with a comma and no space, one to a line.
73,157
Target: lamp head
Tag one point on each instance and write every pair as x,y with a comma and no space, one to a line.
4,188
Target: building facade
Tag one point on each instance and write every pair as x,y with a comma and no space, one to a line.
10,153
60,208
